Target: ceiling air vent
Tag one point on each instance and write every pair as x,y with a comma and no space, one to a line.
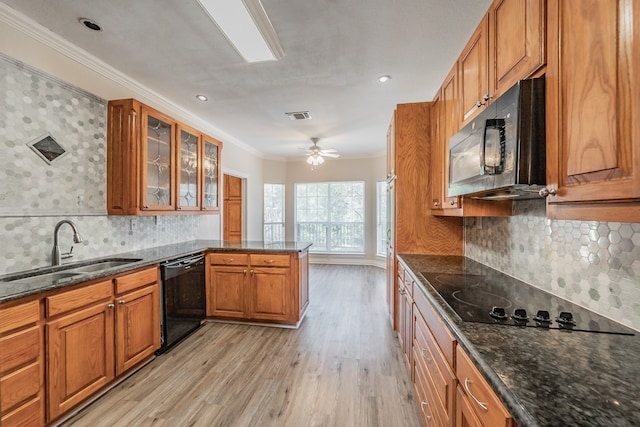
299,115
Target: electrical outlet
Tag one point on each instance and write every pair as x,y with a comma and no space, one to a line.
133,224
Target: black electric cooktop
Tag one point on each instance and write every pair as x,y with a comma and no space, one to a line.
502,300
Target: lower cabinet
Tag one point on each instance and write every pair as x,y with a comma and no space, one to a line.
476,397
258,286
21,365
449,389
97,332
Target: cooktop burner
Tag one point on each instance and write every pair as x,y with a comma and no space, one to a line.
503,300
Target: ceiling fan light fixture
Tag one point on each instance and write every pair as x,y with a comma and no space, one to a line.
247,27
315,159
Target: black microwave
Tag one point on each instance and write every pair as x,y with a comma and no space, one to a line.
501,154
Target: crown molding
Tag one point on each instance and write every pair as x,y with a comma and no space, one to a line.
34,30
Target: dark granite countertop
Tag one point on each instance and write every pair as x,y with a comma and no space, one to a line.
11,288
544,377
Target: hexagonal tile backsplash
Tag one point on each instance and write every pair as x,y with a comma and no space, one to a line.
593,264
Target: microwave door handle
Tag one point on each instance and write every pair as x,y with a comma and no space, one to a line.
497,125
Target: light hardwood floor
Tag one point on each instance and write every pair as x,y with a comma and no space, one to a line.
342,367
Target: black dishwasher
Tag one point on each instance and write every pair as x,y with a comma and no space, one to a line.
183,298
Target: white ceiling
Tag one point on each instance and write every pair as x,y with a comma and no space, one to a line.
334,52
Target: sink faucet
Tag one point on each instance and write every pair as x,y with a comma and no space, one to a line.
56,255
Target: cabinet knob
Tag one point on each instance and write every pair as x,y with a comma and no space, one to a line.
122,302
111,305
547,191
244,271
480,103
146,206
454,202
436,203
250,271
487,97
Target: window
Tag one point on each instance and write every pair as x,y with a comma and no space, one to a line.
381,225
331,215
273,213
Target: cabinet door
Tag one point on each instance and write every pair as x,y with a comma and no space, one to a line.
211,152
137,327
465,417
450,124
80,356
516,42
188,161
593,105
473,68
437,153
270,294
226,291
157,157
391,147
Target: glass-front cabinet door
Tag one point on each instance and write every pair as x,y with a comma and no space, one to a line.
211,173
158,145
188,165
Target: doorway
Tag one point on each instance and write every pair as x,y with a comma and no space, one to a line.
233,213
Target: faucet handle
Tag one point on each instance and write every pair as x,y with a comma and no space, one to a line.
67,255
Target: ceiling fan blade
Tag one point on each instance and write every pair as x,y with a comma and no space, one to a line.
331,155
328,150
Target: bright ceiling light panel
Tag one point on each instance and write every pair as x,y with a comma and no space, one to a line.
247,27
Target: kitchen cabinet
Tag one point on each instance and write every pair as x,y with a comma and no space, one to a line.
137,317
232,207
593,110
413,228
80,345
156,165
477,403
21,364
508,45
405,315
263,287
96,332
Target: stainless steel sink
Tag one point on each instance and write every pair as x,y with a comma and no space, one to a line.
103,265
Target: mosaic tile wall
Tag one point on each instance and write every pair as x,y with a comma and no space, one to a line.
34,196
27,242
32,105
593,264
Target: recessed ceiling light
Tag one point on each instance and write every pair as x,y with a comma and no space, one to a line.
247,27
90,24
384,79
202,98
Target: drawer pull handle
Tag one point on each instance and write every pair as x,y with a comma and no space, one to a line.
483,405
227,259
426,356
269,261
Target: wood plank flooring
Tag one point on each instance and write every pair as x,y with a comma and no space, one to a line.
342,367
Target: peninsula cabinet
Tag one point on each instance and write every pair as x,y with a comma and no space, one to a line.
157,165
21,365
260,287
96,332
508,45
405,315
593,110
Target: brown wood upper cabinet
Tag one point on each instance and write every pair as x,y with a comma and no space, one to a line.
593,110
508,45
156,165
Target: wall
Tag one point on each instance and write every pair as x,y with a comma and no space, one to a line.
28,237
369,170
594,264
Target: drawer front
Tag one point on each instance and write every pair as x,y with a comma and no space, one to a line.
19,386
430,414
229,258
440,376
19,349
71,300
137,280
269,260
19,316
28,415
445,340
483,400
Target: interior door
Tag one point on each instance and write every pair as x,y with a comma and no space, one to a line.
232,207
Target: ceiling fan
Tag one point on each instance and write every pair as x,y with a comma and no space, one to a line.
317,154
